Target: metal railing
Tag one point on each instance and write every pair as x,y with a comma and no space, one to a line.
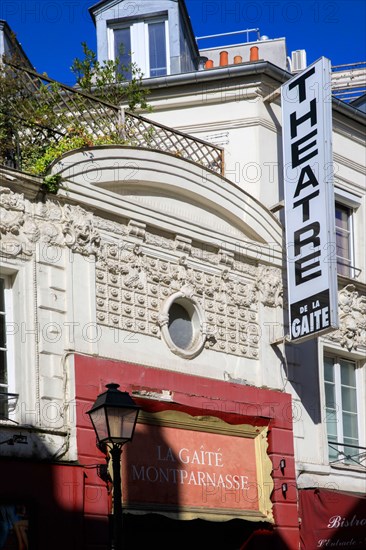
8,403
349,81
346,454
144,133
42,111
247,32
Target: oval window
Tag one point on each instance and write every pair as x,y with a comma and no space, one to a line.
180,326
183,325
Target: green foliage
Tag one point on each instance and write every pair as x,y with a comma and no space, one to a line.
28,114
35,114
107,80
77,137
9,88
52,184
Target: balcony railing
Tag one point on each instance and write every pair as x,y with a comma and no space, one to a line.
349,81
39,112
8,403
347,454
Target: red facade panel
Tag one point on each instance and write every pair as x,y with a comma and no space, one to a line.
233,403
332,519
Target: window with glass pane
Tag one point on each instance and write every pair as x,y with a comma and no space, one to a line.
122,50
148,40
341,407
3,352
343,239
180,326
157,49
330,406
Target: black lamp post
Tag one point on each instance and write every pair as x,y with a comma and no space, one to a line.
114,415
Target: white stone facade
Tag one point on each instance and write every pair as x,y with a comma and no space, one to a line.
91,269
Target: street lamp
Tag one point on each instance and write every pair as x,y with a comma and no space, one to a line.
114,415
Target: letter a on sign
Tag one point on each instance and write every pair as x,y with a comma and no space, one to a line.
309,202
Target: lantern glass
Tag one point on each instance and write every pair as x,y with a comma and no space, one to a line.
114,416
100,423
121,423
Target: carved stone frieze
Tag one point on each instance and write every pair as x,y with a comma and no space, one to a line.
137,229
158,241
132,288
12,220
11,201
183,244
78,230
50,222
137,271
110,226
207,256
352,319
269,284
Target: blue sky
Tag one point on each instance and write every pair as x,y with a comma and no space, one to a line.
51,31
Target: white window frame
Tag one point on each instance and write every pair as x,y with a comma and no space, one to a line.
139,34
167,50
360,366
353,202
350,230
9,320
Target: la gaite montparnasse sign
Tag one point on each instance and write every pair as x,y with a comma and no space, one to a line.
197,467
309,201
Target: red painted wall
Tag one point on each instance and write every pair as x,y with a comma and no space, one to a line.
234,403
53,497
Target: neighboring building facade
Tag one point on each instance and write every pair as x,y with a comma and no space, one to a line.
166,276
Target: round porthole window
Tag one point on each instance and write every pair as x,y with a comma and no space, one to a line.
182,323
180,326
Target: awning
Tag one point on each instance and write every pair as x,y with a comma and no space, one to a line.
332,519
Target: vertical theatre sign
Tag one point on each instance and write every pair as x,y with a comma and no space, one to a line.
309,202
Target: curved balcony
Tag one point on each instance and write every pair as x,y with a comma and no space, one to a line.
42,115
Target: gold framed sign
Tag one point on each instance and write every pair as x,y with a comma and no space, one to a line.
189,467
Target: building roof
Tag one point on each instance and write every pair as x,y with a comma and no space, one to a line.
359,103
245,69
11,36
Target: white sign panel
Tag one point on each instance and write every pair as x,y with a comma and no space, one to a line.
309,201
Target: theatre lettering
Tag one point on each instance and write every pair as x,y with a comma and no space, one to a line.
309,202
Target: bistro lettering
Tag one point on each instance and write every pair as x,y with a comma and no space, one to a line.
338,521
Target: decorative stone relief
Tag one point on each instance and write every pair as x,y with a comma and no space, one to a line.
352,319
132,289
158,241
12,220
137,229
137,271
183,244
205,255
78,230
269,284
49,222
110,227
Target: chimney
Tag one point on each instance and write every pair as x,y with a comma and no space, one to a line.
209,64
254,53
238,59
224,58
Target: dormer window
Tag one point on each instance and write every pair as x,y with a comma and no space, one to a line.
144,42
